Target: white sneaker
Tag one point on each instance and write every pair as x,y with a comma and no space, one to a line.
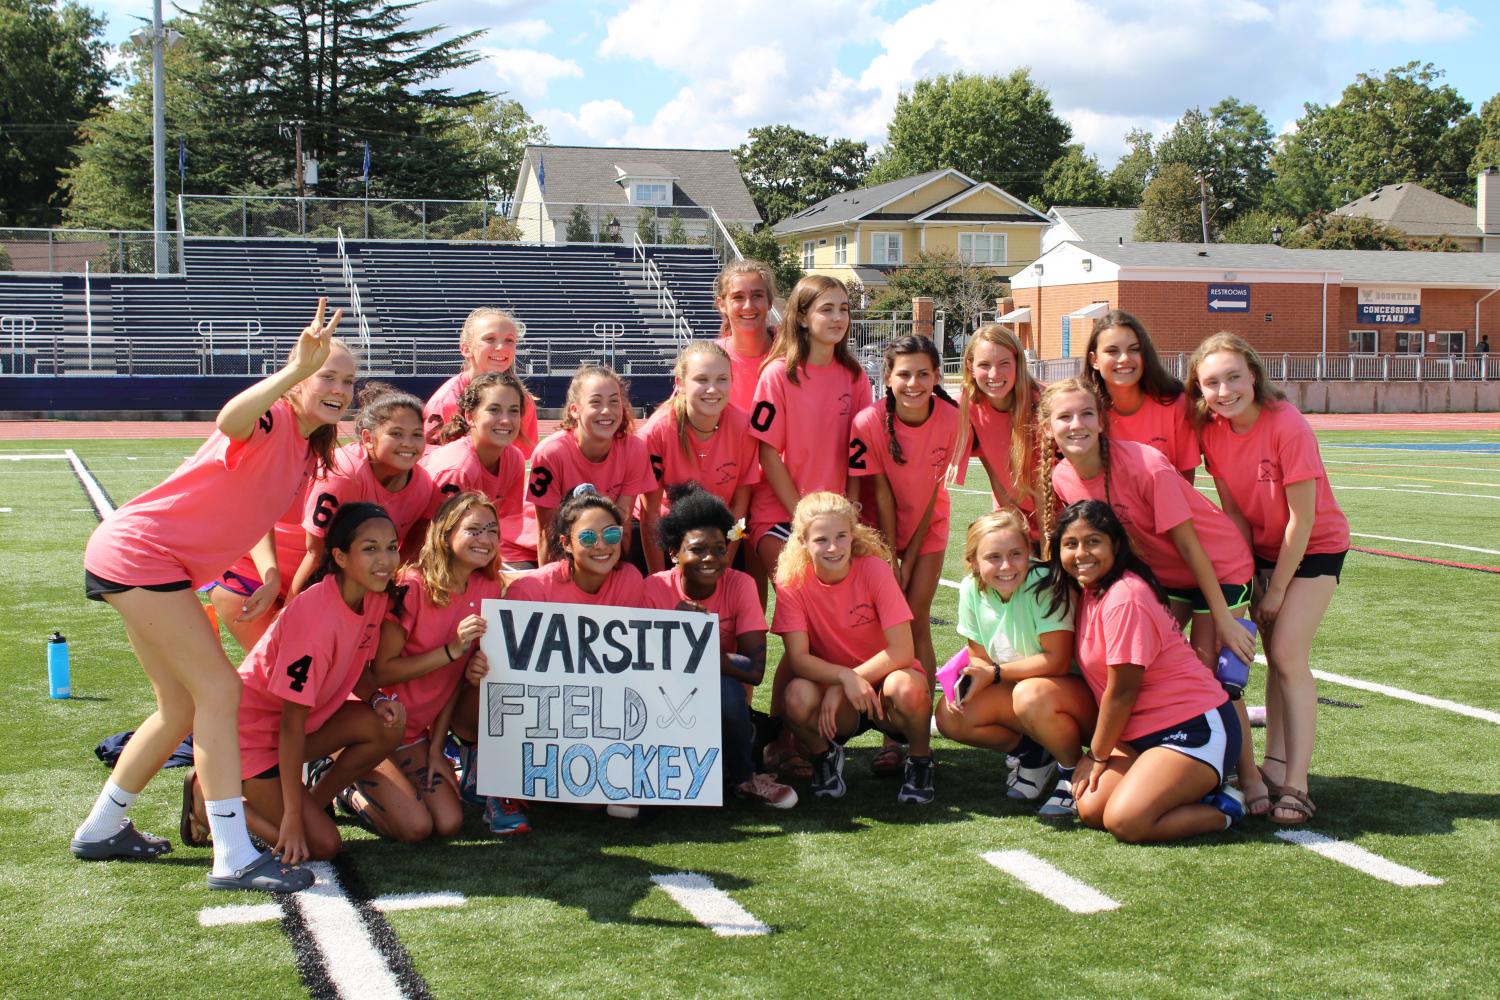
622,811
1027,784
765,788
1060,804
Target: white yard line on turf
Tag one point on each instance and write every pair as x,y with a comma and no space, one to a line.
1456,707
31,456
1358,858
238,913
710,906
1420,493
90,484
1406,465
355,966
1419,541
948,583
397,901
1048,881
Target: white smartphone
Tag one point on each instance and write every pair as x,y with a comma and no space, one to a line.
961,690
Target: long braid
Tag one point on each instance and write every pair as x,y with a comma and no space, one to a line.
1046,503
1104,464
890,426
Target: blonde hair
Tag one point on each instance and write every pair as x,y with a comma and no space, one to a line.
1266,394
324,440
677,403
793,342
1022,410
575,390
734,269
434,564
469,330
1006,519
1046,502
795,561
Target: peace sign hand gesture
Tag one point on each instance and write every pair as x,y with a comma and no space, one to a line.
313,343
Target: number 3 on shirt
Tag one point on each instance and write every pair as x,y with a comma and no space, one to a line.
857,449
297,670
541,480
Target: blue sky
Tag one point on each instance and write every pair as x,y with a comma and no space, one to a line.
699,73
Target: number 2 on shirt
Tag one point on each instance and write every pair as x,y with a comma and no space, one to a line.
857,449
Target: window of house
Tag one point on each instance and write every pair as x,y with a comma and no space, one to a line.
841,249
652,193
1407,341
982,248
1362,341
885,248
1450,341
807,255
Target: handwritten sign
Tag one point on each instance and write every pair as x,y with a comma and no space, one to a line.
600,704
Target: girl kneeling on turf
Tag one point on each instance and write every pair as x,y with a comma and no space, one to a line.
297,680
1021,699
1166,734
144,561
695,534
421,661
847,632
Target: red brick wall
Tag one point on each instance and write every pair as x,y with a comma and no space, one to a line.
1442,309
1057,302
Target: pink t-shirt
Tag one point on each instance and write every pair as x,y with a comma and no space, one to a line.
553,583
1127,624
444,403
991,433
455,467
744,373
1255,467
428,627
1165,427
846,621
291,544
313,655
925,449
728,460
1150,498
558,466
208,513
352,479
734,600
808,424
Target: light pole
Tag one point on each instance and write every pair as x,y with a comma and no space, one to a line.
160,38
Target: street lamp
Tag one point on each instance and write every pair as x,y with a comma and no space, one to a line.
1276,234
614,230
160,39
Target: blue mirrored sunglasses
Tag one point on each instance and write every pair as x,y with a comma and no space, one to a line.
588,537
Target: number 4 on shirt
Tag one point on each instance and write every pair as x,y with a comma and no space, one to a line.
298,670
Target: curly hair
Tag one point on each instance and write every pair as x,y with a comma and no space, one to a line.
692,508
795,561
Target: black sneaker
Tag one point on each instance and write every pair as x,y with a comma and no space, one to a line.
917,788
828,773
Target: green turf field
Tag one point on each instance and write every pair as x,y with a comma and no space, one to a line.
861,896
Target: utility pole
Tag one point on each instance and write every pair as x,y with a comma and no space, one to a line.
158,141
1203,201
300,186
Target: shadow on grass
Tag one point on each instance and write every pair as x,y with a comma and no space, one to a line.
1350,805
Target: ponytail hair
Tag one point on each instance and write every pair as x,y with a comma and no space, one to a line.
379,401
1005,519
583,499
341,531
1047,503
472,398
575,391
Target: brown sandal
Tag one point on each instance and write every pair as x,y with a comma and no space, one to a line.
192,833
1293,800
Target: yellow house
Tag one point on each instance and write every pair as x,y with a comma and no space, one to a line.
865,234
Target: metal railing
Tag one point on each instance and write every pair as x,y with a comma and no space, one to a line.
346,268
74,251
282,216
1311,366
549,221
666,302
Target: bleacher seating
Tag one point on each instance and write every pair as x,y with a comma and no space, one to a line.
690,272
41,298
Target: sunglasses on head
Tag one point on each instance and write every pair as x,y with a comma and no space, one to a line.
588,537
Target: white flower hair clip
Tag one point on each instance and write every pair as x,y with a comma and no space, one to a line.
737,531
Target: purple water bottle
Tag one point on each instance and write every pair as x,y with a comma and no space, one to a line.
1232,672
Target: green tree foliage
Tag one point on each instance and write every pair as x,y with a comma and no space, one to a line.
1000,129
1404,126
961,289
761,245
787,169
609,230
1128,178
676,231
646,227
53,76
1329,231
1170,207
492,135
580,229
1075,179
1487,150
1231,145
1256,227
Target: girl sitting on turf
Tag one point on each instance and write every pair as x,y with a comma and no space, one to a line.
478,453
698,436
594,445
847,631
380,468
420,663
1166,735
997,418
745,294
144,561
1264,459
488,344
1142,400
1194,550
296,704
1021,699
696,534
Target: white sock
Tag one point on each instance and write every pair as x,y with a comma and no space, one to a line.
108,814
232,847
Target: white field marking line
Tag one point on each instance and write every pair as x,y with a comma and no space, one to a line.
1419,541
1457,708
1420,493
1358,858
90,484
1046,880
1417,451
1403,465
255,913
710,906
355,967
1415,486
948,583
32,456
397,901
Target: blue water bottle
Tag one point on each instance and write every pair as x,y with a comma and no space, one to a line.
57,666
1232,672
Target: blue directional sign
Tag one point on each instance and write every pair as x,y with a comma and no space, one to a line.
1224,298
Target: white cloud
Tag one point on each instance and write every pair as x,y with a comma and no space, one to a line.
1403,20
528,73
602,123
527,32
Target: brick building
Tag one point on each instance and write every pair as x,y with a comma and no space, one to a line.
1327,301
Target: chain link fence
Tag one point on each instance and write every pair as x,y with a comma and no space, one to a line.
98,251
272,217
